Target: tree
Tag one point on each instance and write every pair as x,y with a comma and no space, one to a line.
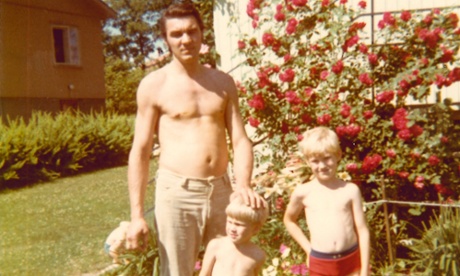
133,38
133,34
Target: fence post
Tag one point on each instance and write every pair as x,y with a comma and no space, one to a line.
387,221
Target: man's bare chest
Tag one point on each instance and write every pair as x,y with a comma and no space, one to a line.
189,102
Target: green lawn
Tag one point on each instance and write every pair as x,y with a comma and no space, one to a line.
59,228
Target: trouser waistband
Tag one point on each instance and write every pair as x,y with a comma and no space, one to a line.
209,179
337,255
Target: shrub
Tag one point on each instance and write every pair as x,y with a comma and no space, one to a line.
47,147
438,251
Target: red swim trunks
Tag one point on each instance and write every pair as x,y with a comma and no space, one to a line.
335,264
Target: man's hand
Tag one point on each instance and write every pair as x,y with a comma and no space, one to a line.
250,197
137,236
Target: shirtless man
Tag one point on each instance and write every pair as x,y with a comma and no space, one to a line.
339,236
190,108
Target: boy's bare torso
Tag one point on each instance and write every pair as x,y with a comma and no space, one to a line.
329,216
191,123
237,261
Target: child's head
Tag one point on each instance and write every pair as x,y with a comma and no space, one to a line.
319,141
238,210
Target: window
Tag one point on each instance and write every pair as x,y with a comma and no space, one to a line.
66,49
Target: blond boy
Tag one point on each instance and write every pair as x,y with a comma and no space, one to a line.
339,236
235,254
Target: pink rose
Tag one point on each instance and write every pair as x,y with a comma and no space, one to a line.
391,153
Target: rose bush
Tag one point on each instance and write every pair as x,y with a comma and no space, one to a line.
312,67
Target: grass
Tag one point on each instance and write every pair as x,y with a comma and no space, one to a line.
59,228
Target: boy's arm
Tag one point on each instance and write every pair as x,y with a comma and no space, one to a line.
209,258
260,263
362,231
291,215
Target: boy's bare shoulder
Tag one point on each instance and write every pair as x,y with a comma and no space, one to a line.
304,188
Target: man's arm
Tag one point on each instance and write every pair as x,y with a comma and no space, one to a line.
242,149
362,230
291,215
209,258
138,166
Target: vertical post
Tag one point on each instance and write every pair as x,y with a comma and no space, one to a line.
387,221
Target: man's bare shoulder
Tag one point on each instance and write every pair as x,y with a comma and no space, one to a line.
221,78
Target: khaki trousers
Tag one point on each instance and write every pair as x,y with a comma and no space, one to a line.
189,212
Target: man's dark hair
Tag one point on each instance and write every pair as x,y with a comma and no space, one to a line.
178,10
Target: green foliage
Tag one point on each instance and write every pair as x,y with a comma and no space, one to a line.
121,84
47,147
437,252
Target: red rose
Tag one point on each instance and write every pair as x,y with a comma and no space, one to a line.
365,79
416,130
363,48
385,96
370,163
368,114
373,59
253,122
406,16
325,3
389,19
299,3
399,119
404,134
351,167
453,18
257,102
241,44
446,56
444,140
341,131
292,98
362,4
353,130
345,110
337,68
324,119
268,39
433,160
287,76
292,25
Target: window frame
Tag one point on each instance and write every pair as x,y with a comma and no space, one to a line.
69,45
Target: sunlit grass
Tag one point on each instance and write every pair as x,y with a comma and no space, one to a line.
59,228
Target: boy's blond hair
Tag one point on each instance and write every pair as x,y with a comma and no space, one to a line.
318,141
238,210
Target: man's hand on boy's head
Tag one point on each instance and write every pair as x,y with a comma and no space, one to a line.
250,197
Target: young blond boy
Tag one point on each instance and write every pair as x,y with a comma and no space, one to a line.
339,236
235,254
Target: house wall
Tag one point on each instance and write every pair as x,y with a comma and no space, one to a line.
29,77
